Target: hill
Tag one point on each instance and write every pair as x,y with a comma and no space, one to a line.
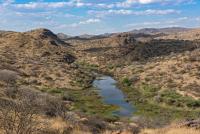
34,53
185,35
131,47
63,36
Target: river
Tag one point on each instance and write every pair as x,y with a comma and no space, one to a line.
112,95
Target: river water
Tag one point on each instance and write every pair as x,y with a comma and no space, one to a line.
112,95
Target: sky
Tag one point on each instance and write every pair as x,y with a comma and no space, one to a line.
76,17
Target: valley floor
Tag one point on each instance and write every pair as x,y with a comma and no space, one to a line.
46,84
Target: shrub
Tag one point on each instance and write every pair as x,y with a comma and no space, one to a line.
110,66
19,117
68,97
55,107
56,91
126,82
172,98
193,103
96,125
149,91
8,76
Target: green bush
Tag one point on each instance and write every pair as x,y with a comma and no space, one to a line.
110,66
171,97
149,91
68,97
193,103
126,82
55,91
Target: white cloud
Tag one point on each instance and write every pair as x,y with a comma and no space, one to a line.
165,23
81,3
157,12
1,9
151,25
67,15
102,5
34,5
78,3
144,24
131,12
7,2
129,3
74,25
86,22
183,18
197,18
40,5
89,21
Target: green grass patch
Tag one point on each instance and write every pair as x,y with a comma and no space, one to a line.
149,91
53,90
173,106
90,103
86,65
171,97
86,101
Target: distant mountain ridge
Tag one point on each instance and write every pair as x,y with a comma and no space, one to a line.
161,30
82,37
63,36
149,31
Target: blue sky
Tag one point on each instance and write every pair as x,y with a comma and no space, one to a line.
77,17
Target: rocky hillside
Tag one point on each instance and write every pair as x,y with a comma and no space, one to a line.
185,35
38,55
131,47
166,57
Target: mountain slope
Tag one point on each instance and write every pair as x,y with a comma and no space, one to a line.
166,57
36,54
185,35
131,47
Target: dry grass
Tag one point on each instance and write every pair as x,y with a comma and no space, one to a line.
171,131
171,72
152,131
57,123
35,56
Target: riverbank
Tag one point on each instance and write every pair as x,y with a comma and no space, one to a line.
152,107
150,112
112,95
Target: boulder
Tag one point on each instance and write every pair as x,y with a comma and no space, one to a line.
68,58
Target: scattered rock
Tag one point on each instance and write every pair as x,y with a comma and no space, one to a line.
134,78
69,58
